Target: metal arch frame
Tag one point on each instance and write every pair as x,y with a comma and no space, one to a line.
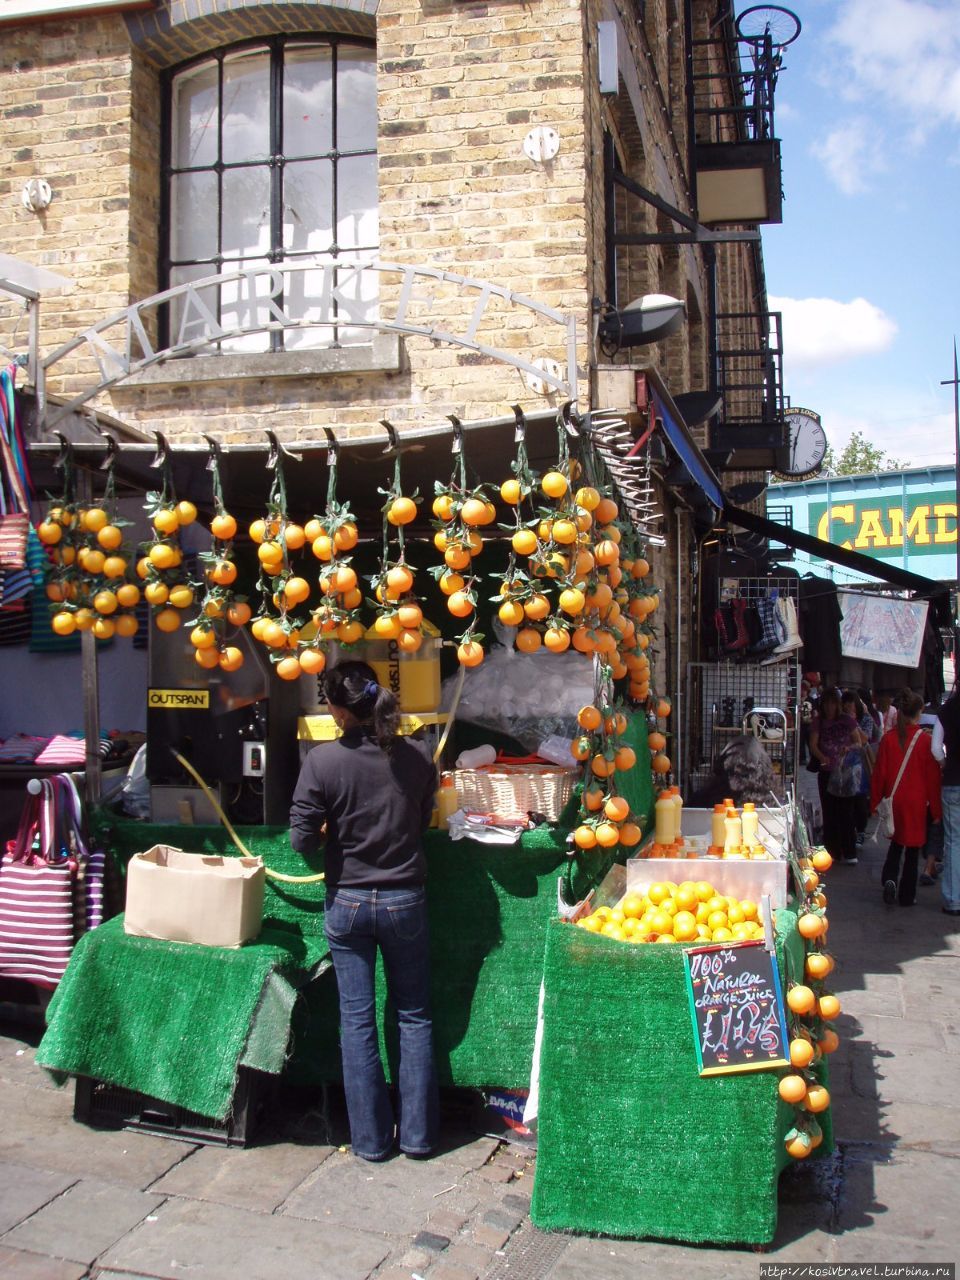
137,351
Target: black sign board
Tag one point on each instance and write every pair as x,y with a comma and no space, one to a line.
736,1005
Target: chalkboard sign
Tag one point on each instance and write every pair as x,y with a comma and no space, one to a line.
736,1006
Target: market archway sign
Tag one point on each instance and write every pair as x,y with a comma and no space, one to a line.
121,344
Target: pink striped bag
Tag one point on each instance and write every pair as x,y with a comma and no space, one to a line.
37,929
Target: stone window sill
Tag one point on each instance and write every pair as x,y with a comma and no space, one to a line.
382,355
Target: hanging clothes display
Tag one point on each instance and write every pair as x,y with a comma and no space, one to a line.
820,618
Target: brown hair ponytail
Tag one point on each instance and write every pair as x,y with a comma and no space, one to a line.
908,705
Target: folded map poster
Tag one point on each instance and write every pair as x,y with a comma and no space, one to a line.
882,629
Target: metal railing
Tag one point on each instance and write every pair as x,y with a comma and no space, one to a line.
748,367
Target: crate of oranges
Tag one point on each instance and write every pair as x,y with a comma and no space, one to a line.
667,912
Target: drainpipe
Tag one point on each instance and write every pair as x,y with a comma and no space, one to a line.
678,692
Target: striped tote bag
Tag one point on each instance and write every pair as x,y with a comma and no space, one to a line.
37,883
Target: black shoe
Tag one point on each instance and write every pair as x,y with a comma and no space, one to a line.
861,836
850,861
890,892
927,881
950,911
909,904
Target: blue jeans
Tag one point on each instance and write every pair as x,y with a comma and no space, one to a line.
357,922
950,878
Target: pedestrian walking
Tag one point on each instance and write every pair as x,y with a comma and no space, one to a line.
907,771
946,747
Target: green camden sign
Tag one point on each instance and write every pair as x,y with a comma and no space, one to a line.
886,526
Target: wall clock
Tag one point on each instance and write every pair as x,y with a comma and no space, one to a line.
806,445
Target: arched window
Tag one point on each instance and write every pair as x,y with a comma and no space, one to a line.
270,157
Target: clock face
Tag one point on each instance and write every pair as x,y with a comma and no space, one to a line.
806,444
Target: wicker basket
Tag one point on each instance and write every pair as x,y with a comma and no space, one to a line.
513,791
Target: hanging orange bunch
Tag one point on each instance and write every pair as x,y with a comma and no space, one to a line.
399,615
333,537
220,607
167,588
461,512
283,591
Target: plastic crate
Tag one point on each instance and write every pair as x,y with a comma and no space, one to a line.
108,1106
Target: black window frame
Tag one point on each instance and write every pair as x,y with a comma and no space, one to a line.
276,161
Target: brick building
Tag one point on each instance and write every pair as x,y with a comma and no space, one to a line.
518,176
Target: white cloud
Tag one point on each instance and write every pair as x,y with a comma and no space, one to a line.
851,155
823,331
917,439
904,52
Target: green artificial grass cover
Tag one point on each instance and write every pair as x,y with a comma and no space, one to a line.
489,910
175,1021
632,1141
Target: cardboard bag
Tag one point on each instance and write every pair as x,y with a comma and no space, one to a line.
194,897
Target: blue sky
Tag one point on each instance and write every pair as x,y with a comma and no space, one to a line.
864,267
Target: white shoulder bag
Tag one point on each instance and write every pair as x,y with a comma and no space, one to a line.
885,807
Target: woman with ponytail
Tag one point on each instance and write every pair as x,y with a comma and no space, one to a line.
916,794
373,793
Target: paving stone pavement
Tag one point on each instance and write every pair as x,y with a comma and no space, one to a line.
84,1204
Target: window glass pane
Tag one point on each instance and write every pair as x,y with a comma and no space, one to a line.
193,204
195,104
356,99
357,222
243,305
246,106
306,292
307,100
246,212
308,206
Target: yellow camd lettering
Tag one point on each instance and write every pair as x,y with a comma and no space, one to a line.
945,511
895,519
917,526
844,513
871,532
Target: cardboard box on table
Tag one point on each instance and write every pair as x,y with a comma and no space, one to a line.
194,897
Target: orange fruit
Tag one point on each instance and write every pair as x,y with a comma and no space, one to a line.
818,1098
110,537
474,512
801,1052
456,556
511,613
163,555
656,741
587,497
347,536
792,1088
156,592
206,658
605,511
608,835
105,602
165,521
402,511
167,620
660,764
312,661
460,604
203,637
186,512
409,640
322,547
801,999
685,926
49,532
451,582
350,632
527,640
223,527
810,925
126,624
589,718
294,536
536,608
288,668
585,837
411,616
128,595
470,654
295,590
828,1041
63,623
617,809
231,659
554,484
663,707
798,1144
399,579
601,766
817,965
572,601
556,639
510,492
828,1007
524,542
625,758
387,626
592,799
114,567
822,861
238,613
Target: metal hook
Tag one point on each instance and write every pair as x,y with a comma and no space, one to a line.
113,448
394,445
216,454
333,444
278,450
457,446
520,428
163,450
65,456
567,419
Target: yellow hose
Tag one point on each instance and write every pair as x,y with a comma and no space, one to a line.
274,875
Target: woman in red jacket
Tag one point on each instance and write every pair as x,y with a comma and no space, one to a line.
918,791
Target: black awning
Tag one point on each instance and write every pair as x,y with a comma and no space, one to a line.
937,592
